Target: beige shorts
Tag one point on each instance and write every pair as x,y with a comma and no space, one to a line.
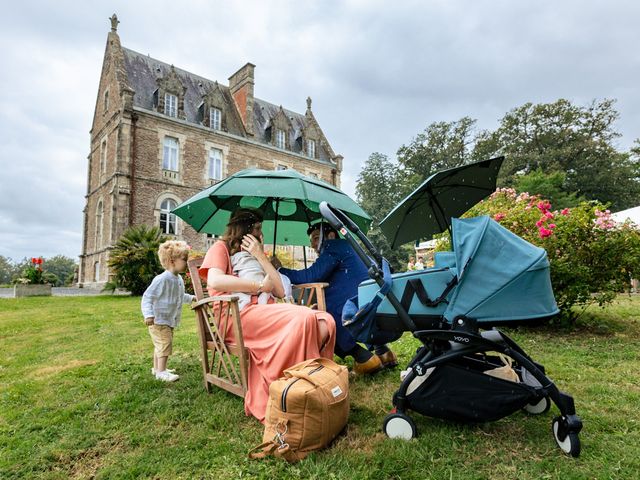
162,337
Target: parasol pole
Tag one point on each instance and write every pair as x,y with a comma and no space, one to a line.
275,227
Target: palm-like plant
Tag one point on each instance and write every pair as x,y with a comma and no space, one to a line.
134,259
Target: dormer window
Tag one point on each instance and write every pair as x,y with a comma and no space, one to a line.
311,148
170,105
280,138
215,118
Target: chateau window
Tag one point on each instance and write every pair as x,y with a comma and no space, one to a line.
311,148
280,138
96,271
170,154
215,118
99,218
167,219
215,164
106,101
103,156
170,105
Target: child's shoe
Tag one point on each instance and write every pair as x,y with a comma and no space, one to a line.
167,376
153,371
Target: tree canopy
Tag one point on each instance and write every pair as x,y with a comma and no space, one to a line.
562,151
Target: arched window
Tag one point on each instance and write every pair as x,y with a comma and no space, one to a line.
99,218
96,272
168,219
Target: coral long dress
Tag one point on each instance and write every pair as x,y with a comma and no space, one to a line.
277,335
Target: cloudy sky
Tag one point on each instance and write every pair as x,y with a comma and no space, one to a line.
378,72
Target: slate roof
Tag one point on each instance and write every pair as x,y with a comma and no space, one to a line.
143,72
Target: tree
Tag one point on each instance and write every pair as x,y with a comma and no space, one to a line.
547,185
562,137
440,146
378,192
62,267
134,259
6,270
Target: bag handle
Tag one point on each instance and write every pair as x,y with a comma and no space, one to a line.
506,360
325,362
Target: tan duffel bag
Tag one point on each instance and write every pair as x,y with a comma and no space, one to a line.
307,409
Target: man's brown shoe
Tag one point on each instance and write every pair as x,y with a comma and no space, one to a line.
388,359
372,365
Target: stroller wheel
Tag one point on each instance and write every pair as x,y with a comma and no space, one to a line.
568,442
399,425
539,407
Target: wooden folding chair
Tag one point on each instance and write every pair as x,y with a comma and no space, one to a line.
225,364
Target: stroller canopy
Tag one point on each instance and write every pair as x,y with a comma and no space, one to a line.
501,277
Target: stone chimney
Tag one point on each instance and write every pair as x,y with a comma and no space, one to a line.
241,88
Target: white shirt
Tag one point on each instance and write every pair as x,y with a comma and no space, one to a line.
163,299
247,266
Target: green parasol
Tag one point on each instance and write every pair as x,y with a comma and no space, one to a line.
288,200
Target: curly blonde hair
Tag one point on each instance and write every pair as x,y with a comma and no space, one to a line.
171,251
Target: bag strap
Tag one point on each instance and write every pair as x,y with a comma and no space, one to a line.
266,448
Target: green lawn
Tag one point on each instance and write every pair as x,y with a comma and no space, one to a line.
77,400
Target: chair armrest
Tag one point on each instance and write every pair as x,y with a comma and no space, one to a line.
310,285
217,298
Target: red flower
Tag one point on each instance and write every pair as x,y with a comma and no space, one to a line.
539,223
552,226
34,260
499,216
544,232
565,211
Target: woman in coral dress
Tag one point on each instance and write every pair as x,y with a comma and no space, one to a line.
277,335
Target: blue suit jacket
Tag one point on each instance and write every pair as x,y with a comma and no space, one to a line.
339,266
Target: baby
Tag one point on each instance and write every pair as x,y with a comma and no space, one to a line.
246,266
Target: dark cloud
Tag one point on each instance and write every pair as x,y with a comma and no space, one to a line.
379,72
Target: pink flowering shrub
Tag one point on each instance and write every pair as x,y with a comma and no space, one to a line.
592,257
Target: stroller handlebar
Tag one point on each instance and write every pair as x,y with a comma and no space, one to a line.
341,222
336,218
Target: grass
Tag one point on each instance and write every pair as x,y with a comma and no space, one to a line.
77,401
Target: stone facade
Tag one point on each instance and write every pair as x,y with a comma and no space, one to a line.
156,131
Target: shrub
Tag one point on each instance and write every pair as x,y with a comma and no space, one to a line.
134,259
592,257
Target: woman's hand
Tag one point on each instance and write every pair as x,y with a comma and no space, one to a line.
252,245
267,284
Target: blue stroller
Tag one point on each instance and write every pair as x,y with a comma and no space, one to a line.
492,276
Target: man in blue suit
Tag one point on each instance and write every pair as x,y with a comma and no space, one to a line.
340,267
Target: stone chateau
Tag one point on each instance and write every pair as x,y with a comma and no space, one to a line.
161,134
